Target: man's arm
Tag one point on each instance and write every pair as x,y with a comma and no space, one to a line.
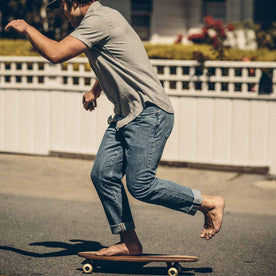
54,51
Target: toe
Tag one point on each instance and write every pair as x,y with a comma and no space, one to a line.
101,252
203,233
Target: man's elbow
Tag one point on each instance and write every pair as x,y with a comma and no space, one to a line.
55,59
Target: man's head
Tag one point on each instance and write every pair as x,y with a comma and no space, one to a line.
72,10
56,3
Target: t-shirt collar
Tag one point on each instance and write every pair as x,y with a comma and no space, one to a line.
94,6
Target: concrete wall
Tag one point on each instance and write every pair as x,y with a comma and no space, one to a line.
239,10
174,17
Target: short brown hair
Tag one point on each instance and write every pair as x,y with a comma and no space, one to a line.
79,2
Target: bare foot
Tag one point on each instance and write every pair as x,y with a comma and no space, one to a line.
212,207
129,246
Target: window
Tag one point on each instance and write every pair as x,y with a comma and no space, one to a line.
215,8
141,17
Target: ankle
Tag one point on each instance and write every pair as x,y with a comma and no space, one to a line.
129,236
207,203
210,203
130,239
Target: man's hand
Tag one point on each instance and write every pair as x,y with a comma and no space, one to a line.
89,99
18,25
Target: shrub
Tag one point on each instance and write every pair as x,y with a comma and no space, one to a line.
176,52
265,38
213,33
16,47
191,52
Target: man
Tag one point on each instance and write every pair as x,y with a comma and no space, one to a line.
136,136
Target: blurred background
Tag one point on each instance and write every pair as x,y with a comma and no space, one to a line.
215,59
162,21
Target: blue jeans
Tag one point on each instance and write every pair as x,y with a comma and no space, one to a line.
135,151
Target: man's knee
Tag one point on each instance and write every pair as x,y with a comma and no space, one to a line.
103,176
94,175
140,188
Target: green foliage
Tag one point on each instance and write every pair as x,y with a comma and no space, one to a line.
266,38
47,21
177,51
213,33
16,47
20,47
188,52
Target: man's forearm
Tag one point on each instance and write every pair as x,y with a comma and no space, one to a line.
46,47
97,88
52,50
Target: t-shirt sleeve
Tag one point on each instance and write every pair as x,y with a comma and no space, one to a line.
92,30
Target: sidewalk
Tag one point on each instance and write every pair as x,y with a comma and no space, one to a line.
69,179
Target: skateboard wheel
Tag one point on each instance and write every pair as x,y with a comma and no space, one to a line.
173,271
87,268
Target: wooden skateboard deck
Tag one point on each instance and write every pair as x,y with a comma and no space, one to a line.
172,261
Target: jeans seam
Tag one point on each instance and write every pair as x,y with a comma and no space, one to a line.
112,162
113,192
157,113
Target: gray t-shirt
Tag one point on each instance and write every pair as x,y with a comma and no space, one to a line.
119,60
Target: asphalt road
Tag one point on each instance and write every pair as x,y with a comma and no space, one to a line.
49,212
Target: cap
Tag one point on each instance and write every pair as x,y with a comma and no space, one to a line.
53,4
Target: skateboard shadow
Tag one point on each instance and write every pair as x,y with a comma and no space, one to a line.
67,249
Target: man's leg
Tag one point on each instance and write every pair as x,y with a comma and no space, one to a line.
143,151
106,176
145,138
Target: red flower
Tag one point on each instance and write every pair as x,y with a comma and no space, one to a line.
196,36
230,27
216,42
205,30
218,25
209,20
222,33
178,39
246,59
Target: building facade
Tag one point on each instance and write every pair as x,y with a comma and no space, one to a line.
160,21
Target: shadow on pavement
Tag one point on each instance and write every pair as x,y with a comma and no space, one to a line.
68,248
76,246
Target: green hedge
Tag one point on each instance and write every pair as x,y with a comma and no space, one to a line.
21,47
185,52
16,47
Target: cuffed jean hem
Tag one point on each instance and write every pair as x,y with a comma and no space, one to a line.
122,227
197,202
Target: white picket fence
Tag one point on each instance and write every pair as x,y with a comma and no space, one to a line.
220,118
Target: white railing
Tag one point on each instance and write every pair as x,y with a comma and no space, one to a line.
37,73
183,78
214,78
220,116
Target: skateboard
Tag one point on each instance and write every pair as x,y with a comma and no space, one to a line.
172,261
